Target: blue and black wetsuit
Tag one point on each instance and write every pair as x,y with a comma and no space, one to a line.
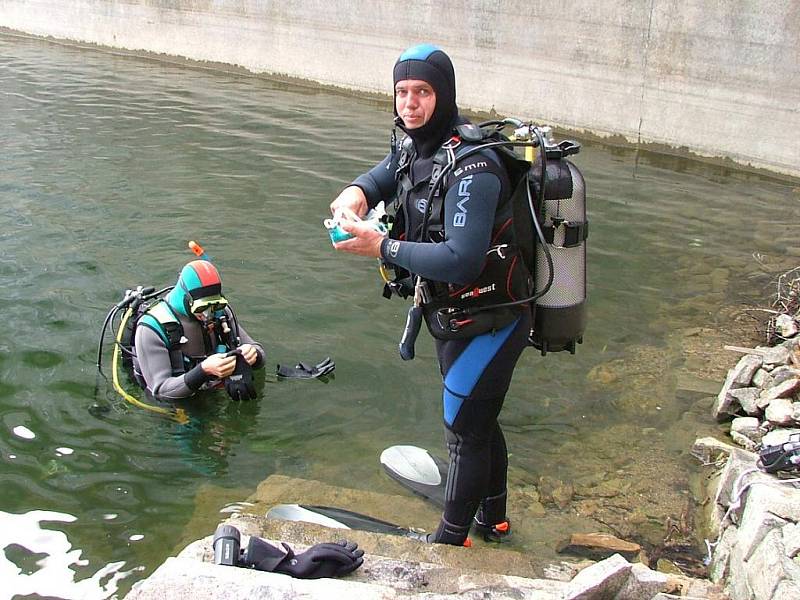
476,370
467,218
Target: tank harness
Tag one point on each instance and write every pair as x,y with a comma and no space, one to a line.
532,230
160,318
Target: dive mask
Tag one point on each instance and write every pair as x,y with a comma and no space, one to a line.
210,304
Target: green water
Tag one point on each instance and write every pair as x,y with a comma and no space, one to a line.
111,163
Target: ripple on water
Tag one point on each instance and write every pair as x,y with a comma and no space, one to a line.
41,359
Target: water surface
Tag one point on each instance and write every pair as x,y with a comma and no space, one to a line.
111,163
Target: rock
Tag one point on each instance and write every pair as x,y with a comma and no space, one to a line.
738,377
791,539
667,566
775,355
722,408
601,580
739,461
720,566
602,375
745,369
564,571
747,426
642,583
757,521
766,495
744,441
769,566
747,398
786,326
701,588
781,374
192,575
762,378
597,545
780,412
786,590
555,491
782,390
778,436
709,449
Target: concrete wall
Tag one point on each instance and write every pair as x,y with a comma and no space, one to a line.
719,77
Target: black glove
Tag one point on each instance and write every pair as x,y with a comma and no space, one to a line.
306,371
323,560
239,384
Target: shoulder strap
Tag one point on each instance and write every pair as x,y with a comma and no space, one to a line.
161,319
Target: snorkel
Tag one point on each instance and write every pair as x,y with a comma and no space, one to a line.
202,287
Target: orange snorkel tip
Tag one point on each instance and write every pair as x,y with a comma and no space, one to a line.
196,248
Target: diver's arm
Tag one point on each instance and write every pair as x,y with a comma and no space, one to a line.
469,213
368,189
154,362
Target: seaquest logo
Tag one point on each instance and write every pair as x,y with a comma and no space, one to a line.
460,218
475,292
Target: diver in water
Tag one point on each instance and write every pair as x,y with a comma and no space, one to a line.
449,246
191,341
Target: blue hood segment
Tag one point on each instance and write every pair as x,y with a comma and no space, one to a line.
419,52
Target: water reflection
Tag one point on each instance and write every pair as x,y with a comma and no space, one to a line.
41,561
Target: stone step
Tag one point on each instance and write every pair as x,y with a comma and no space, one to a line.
394,567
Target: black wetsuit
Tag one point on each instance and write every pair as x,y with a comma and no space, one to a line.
477,370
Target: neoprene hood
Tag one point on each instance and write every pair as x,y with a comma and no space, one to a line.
429,63
198,280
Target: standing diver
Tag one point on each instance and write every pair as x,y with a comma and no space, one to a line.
448,236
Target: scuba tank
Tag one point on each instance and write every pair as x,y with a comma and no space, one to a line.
560,312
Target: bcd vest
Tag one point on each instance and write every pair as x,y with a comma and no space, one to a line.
503,278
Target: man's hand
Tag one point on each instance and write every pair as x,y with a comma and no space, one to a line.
219,365
351,204
367,241
249,353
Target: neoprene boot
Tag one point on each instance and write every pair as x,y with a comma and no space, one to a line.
446,533
491,521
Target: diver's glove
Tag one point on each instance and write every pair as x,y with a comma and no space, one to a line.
322,560
239,384
306,371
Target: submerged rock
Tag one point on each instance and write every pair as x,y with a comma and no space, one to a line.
597,545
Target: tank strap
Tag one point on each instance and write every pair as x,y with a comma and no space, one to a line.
575,232
161,319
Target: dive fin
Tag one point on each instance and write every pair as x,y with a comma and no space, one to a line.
338,518
418,470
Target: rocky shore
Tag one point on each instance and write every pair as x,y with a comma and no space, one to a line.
754,504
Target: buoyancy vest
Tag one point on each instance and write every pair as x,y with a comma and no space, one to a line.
183,354
162,319
503,278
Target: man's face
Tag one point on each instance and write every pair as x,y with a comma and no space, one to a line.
414,101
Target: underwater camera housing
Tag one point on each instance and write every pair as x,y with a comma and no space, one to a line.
338,234
781,457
